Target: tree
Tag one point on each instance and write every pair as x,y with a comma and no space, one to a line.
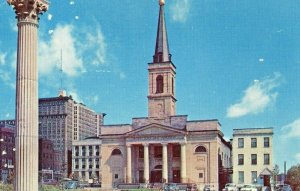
275,172
293,177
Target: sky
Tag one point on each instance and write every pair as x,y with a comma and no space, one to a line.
237,61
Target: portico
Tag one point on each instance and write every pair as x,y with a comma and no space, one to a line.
156,162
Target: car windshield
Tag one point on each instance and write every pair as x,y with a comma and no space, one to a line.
248,186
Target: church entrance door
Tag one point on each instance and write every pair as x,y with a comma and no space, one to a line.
176,176
156,176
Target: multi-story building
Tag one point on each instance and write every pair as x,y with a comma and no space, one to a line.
48,160
252,155
7,150
86,159
62,120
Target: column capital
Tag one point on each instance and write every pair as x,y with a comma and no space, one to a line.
128,145
164,144
146,144
29,10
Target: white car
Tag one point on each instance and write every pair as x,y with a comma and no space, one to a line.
249,187
230,187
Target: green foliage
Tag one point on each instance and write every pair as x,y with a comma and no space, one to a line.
293,177
6,187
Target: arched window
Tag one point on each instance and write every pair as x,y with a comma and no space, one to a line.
159,84
116,152
200,149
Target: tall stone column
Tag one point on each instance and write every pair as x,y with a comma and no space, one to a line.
129,167
183,162
146,163
26,137
165,162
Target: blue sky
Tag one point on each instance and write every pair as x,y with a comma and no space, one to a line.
237,61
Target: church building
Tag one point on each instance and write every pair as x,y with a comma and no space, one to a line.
164,147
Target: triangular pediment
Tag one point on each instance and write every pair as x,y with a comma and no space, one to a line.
155,129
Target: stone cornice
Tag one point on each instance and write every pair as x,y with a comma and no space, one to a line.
28,10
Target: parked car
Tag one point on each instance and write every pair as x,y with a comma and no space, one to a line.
206,188
170,187
192,187
49,182
283,187
249,187
230,187
72,184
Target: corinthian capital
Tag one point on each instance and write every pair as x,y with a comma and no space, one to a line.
28,9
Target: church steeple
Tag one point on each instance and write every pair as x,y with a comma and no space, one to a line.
162,47
161,97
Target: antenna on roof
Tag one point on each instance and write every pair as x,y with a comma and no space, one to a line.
62,92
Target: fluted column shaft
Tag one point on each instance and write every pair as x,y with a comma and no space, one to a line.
183,162
165,162
129,167
26,137
146,163
27,108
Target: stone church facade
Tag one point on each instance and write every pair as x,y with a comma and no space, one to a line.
164,147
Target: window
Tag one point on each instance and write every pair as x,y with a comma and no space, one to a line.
266,142
254,159
200,175
158,151
176,151
241,177
240,159
240,142
141,152
172,85
266,158
200,149
116,152
116,176
159,84
253,143
254,176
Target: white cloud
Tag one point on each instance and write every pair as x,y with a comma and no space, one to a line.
75,96
79,47
62,40
257,97
97,43
291,130
297,156
2,58
50,17
180,10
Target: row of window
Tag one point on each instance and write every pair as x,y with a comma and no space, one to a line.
254,142
253,159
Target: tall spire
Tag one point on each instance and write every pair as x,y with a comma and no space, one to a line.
162,47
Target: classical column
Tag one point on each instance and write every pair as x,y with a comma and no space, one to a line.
26,138
183,162
165,162
146,163
129,167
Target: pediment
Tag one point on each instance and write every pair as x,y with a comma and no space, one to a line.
155,129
